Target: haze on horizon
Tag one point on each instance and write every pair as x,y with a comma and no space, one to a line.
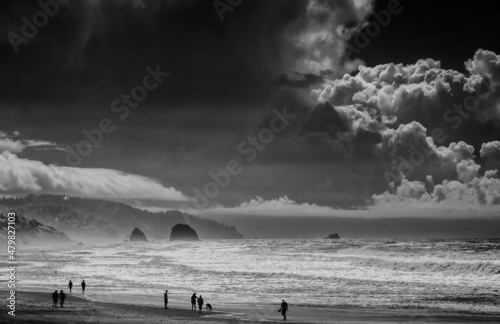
282,110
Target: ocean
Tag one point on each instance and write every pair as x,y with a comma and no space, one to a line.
460,275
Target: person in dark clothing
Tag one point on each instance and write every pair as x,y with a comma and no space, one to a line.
283,309
55,297
165,299
62,297
193,301
83,286
70,286
200,303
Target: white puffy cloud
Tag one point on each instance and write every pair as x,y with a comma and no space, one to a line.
485,63
468,192
463,187
10,145
491,150
409,192
26,176
383,86
467,170
422,92
409,152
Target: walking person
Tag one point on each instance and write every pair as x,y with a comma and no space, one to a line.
62,297
83,286
283,309
200,303
70,286
55,297
165,299
193,301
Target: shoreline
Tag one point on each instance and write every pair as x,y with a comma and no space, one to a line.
34,306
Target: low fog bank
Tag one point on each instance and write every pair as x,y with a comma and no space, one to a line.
318,227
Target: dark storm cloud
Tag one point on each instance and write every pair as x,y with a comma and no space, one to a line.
93,49
66,77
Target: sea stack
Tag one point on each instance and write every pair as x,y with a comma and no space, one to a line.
183,232
333,236
138,236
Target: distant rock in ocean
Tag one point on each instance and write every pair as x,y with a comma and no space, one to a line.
333,236
183,232
138,236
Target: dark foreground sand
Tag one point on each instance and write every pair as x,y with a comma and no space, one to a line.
36,307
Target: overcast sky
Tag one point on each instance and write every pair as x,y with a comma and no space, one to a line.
390,107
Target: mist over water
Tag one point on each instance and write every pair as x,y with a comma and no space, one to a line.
453,274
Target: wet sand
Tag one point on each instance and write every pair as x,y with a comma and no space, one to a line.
36,307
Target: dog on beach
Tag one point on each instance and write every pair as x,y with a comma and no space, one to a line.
208,307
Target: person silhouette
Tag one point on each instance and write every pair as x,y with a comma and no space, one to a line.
283,309
165,299
83,286
193,301
70,286
55,297
200,303
62,297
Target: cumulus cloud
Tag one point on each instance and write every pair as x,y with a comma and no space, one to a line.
485,63
426,93
407,101
408,151
491,150
461,188
468,192
21,176
10,145
395,121
426,125
467,170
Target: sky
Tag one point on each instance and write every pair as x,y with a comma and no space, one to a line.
287,108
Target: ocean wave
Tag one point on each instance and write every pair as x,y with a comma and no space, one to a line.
430,266
326,272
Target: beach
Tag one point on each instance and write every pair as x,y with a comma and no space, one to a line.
342,281
456,275
36,307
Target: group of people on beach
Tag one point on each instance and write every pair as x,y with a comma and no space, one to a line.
199,300
61,296
194,300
